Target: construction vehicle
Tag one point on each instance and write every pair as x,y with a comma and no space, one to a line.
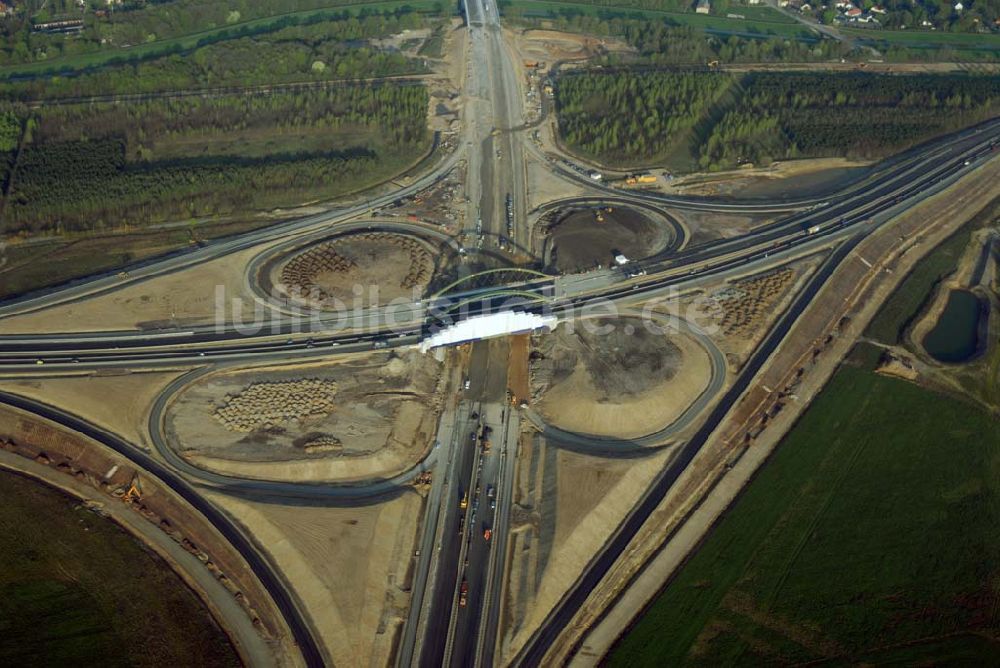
463,593
464,503
134,491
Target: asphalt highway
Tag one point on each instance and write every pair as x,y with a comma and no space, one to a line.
460,564
941,165
534,652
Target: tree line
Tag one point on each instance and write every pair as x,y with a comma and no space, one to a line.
628,117
89,166
625,116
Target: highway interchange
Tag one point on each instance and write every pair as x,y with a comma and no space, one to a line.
458,583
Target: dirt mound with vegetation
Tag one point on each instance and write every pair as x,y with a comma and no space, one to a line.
384,266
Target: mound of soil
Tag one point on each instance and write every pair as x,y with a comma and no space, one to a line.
586,237
620,357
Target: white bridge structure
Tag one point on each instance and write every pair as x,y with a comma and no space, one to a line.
488,326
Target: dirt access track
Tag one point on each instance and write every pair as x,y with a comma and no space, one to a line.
616,377
371,415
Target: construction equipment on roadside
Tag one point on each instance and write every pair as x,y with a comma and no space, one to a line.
134,491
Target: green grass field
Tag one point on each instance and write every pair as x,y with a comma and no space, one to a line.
869,535
928,39
97,59
761,21
76,590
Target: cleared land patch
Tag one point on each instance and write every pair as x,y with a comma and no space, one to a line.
615,377
371,415
582,238
383,266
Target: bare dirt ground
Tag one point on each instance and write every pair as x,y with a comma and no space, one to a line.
792,178
349,567
565,506
553,45
117,402
709,226
626,383
585,237
372,415
439,204
180,298
356,270
544,186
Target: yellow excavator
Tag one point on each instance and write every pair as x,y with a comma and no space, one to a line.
134,491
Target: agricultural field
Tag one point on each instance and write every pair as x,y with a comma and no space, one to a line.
734,33
868,537
143,30
94,166
77,590
324,47
766,116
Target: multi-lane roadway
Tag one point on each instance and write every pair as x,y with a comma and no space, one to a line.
458,582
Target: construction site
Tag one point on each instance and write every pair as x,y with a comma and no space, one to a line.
580,238
368,416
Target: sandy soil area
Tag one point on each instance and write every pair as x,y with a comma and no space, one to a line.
792,178
551,45
544,186
627,383
738,313
178,299
348,566
372,415
709,226
566,506
118,402
355,270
